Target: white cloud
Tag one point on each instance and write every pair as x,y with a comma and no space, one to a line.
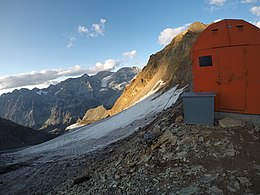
83,29
255,10
109,64
98,29
95,30
256,24
168,34
249,1
46,77
71,41
217,2
130,54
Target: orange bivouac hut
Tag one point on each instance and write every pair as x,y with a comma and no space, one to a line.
226,60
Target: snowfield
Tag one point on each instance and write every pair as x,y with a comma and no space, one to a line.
109,130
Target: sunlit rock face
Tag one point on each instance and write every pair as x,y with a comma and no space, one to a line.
171,66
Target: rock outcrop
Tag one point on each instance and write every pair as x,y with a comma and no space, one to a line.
94,114
60,105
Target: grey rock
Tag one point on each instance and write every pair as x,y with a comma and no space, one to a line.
188,191
214,190
230,189
181,132
257,167
201,139
179,119
175,130
194,170
167,136
236,185
244,181
194,131
207,178
229,152
149,137
156,129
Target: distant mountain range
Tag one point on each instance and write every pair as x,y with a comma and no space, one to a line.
60,105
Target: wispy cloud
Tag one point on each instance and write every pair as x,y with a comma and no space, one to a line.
83,29
213,5
46,77
168,34
250,1
98,29
130,54
255,10
71,41
217,2
95,30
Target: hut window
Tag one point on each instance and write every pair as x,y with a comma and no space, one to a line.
205,61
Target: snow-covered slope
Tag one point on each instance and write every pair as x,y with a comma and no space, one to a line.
96,135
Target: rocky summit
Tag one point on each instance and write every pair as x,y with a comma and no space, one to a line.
60,105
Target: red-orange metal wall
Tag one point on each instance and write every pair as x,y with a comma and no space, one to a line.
234,75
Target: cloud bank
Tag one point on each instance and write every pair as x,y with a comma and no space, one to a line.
45,77
168,34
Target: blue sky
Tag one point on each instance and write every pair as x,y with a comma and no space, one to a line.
45,41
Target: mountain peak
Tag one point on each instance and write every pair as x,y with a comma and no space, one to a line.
197,27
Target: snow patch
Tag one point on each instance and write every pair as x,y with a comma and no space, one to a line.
74,126
156,87
41,92
118,86
103,89
105,81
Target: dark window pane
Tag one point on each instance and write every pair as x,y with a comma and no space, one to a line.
205,61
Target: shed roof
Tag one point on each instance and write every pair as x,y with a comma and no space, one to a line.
228,32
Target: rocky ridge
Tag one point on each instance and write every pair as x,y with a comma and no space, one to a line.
60,105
